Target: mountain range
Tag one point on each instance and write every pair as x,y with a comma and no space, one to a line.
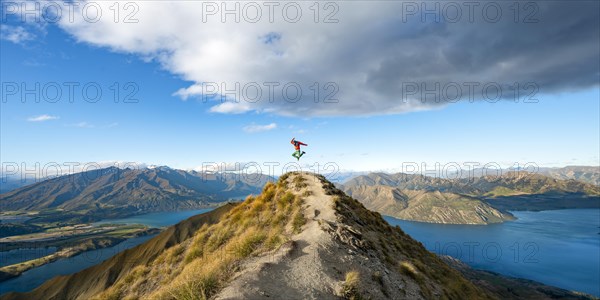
301,238
114,192
587,174
131,190
427,206
9,183
475,200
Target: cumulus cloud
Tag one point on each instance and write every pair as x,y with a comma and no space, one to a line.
15,34
253,128
378,58
234,107
42,118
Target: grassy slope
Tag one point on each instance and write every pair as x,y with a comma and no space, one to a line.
403,254
202,265
96,279
198,254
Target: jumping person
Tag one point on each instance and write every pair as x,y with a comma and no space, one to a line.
297,154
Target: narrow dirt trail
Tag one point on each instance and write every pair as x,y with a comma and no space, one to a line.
299,270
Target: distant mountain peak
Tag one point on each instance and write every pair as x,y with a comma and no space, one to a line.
139,190
159,167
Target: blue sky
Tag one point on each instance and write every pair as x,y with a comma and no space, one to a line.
164,129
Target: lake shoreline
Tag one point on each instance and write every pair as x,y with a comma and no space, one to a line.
555,247
153,221
494,223
15,270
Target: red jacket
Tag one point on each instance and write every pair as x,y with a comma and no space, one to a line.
297,144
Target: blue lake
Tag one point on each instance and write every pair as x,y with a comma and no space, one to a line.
33,278
16,256
559,247
14,219
160,219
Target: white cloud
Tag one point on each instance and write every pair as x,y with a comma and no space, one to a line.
253,128
231,108
368,55
82,125
42,118
15,34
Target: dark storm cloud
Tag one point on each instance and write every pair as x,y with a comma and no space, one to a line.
558,52
382,57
